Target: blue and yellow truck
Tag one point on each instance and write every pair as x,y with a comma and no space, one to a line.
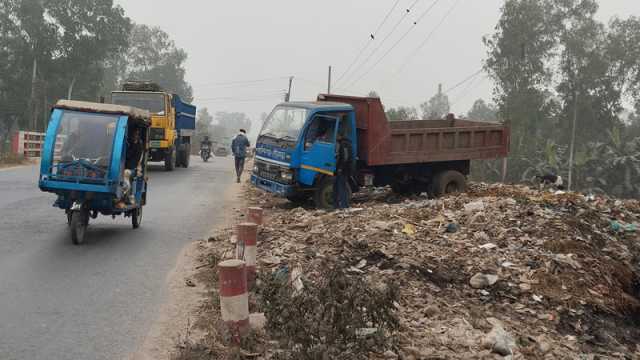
173,122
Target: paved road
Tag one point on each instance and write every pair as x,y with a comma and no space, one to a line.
95,301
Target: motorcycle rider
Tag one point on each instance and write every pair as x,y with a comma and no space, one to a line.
206,143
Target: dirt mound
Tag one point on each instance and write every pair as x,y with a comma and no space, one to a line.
558,273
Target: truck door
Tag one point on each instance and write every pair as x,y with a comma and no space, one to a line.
319,148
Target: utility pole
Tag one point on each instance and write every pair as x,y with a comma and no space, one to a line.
573,138
287,97
329,81
32,100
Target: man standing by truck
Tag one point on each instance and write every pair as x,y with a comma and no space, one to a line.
239,147
344,164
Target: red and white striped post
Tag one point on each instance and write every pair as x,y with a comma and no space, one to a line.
248,240
234,299
255,215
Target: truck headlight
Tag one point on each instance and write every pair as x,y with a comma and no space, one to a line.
286,176
255,169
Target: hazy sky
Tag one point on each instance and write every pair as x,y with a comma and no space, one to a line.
241,53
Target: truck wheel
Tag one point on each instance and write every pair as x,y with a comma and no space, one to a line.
323,196
299,198
187,157
405,188
449,182
170,160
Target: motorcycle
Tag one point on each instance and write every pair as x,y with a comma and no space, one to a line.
205,152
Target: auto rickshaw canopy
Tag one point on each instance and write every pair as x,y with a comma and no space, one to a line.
139,116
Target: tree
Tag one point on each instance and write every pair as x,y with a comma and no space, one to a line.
402,113
227,125
437,107
481,111
519,62
373,94
51,49
204,122
154,56
623,47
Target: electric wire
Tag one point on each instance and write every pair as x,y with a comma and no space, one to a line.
431,33
370,41
393,30
415,23
468,78
469,89
241,82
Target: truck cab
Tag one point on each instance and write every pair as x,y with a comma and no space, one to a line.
172,121
296,149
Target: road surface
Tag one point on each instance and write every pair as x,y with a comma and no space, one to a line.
97,300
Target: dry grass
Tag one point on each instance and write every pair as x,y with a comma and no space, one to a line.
10,159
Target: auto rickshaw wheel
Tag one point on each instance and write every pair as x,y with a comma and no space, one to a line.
79,223
136,217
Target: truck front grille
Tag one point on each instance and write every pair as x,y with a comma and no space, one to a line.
156,133
270,171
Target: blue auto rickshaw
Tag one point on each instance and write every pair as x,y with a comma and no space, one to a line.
94,158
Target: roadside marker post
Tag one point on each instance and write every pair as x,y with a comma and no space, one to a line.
248,240
234,298
255,215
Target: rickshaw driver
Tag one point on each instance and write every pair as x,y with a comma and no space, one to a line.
132,165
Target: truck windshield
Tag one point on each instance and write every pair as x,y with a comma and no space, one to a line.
154,102
85,136
284,123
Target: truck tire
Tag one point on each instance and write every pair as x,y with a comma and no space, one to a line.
323,196
186,157
405,188
449,182
299,198
170,160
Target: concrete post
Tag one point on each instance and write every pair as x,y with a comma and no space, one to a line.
255,215
248,239
234,299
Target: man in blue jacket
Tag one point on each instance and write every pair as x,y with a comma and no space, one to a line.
239,147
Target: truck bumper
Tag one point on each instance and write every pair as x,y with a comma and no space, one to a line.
157,154
272,186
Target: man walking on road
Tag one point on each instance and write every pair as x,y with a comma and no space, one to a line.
239,147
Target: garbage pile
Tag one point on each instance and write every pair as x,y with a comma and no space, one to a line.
500,271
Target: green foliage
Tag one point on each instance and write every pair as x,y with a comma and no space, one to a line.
154,56
82,49
546,57
65,44
402,113
481,111
204,122
227,125
437,107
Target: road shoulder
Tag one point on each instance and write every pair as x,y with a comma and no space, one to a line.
186,295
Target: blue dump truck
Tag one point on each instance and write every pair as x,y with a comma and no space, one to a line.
296,149
173,122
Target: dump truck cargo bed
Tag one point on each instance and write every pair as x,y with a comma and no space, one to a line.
383,142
